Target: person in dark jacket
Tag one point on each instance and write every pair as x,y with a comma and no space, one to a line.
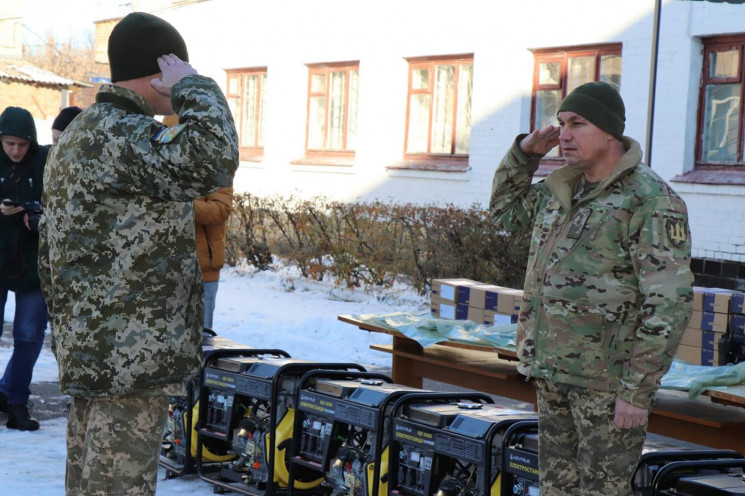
21,172
63,119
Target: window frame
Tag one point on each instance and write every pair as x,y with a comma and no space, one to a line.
562,55
447,162
245,152
329,156
709,46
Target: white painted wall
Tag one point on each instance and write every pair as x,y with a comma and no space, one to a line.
284,35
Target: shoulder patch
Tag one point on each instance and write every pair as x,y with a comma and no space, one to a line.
168,134
676,232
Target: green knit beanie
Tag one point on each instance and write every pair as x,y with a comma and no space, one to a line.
137,41
599,103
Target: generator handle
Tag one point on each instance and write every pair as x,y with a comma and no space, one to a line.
246,352
340,374
512,430
669,468
429,395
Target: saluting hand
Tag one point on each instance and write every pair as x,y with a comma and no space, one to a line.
540,141
173,70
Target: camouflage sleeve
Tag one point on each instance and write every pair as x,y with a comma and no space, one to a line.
512,199
44,268
660,248
195,157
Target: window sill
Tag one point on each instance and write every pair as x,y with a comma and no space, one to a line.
432,164
325,161
700,176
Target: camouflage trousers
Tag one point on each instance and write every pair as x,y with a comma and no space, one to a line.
580,450
113,445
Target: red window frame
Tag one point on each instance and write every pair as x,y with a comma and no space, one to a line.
236,86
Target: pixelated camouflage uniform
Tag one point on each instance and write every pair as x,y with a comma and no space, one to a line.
607,295
119,266
119,271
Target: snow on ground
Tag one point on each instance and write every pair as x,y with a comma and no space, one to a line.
267,309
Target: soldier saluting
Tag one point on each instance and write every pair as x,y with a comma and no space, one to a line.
117,253
608,289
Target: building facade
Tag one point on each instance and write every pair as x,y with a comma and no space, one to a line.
417,101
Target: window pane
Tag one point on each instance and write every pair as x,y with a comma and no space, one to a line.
546,105
580,70
317,83
721,126
549,73
724,64
251,110
420,79
354,85
316,122
610,70
463,119
418,123
442,111
336,110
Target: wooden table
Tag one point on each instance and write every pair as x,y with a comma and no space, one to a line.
715,419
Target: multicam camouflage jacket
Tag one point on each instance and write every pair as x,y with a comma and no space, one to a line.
117,259
608,288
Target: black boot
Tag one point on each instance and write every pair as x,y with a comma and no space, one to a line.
3,403
19,418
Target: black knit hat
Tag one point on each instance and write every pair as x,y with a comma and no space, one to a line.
137,41
599,103
18,122
65,117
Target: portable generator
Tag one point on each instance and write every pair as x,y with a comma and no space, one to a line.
659,454
179,446
520,459
246,404
341,429
448,444
712,477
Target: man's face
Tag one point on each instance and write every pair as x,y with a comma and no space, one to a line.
583,144
15,148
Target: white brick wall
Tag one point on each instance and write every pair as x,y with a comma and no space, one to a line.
286,35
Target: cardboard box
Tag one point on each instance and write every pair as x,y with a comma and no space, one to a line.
712,299
689,354
737,303
447,289
475,314
475,296
692,337
505,301
709,321
738,324
443,310
496,318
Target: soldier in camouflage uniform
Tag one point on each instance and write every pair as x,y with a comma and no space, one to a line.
608,290
118,259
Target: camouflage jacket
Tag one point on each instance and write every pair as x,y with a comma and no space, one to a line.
608,288
117,260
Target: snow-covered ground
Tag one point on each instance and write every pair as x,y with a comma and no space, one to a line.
269,309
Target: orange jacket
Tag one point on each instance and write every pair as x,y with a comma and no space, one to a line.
210,214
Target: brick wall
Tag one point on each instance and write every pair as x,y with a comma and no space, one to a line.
42,101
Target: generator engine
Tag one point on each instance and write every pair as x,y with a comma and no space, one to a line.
342,423
448,444
712,477
179,446
247,405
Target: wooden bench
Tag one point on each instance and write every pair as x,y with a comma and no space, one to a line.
702,421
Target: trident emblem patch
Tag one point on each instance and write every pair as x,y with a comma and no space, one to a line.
676,232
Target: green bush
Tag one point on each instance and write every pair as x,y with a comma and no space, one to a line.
375,244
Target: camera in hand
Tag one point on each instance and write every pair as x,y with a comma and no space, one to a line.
33,209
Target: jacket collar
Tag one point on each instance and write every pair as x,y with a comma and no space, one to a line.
124,98
562,182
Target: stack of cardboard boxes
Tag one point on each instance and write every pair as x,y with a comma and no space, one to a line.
715,333
466,299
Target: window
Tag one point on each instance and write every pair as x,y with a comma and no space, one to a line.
558,71
332,113
438,124
246,96
720,132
